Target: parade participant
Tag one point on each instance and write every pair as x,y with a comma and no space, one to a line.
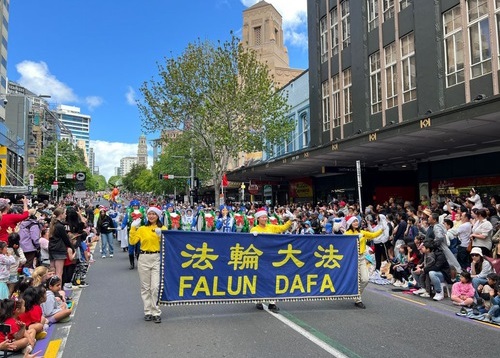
225,222
134,211
10,220
353,229
263,227
240,222
105,228
149,236
171,217
205,219
187,220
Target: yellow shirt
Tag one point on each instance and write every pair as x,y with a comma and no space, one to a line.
272,229
146,235
364,236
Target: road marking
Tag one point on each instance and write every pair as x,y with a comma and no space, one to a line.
315,336
53,348
409,300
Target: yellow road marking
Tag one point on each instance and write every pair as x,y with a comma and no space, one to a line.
488,324
53,348
407,299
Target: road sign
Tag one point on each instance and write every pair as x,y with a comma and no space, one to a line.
54,187
80,176
168,176
70,176
30,189
32,179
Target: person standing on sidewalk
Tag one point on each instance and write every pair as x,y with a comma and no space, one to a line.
105,227
148,265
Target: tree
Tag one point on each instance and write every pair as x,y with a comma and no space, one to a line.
137,180
223,99
70,160
114,180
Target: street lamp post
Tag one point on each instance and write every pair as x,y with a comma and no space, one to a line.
55,179
242,192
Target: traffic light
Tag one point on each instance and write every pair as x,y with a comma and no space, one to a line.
160,176
196,183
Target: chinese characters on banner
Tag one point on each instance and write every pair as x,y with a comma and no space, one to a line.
214,267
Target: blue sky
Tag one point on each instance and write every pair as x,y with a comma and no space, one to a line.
95,54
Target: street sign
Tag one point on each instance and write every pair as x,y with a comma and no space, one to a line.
168,176
80,176
54,187
70,176
30,189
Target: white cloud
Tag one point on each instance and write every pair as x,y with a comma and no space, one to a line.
294,14
108,155
36,77
130,96
93,102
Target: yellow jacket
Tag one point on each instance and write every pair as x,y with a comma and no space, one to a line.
146,235
363,236
272,229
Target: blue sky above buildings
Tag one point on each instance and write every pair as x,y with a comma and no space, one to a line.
95,54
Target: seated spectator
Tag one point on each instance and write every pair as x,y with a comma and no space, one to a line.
493,313
482,233
462,292
54,308
402,265
485,291
480,268
439,271
33,316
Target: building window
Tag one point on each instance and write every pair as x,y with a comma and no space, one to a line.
375,83
372,14
305,130
453,46
479,37
388,9
403,4
323,39
257,35
346,75
325,95
409,71
346,24
391,75
334,31
336,101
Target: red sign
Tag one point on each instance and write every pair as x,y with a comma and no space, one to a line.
253,189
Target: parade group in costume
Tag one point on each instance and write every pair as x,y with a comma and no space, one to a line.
225,221
135,212
171,217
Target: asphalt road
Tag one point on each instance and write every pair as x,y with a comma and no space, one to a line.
108,322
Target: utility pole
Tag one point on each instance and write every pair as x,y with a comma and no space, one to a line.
191,181
55,179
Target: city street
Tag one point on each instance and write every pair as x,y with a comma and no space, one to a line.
108,322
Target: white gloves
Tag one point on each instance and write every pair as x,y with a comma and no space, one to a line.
158,231
290,215
136,223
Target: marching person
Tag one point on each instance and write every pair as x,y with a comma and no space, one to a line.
148,266
263,227
353,229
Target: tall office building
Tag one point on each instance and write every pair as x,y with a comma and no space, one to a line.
78,124
91,160
126,165
4,34
142,151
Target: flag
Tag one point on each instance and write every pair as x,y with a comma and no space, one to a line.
224,181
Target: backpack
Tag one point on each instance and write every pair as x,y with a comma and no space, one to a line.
495,263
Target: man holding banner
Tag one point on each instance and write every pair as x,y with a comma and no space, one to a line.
263,227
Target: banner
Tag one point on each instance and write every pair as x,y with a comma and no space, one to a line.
212,267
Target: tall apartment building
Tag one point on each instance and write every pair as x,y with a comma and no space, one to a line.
91,160
78,124
142,151
126,165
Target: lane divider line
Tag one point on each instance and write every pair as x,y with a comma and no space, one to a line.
53,348
315,336
409,300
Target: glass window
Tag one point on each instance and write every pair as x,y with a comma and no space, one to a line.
391,75
346,24
336,101
408,65
372,14
375,83
257,35
497,10
305,130
479,37
323,39
403,4
334,31
325,95
388,9
346,75
453,46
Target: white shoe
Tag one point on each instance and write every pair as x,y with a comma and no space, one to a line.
103,256
425,295
404,285
419,291
111,255
397,283
438,296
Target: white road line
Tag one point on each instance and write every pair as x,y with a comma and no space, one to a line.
334,352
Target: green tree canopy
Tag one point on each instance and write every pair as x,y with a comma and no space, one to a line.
222,97
70,159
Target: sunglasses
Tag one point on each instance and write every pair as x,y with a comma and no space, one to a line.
473,255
